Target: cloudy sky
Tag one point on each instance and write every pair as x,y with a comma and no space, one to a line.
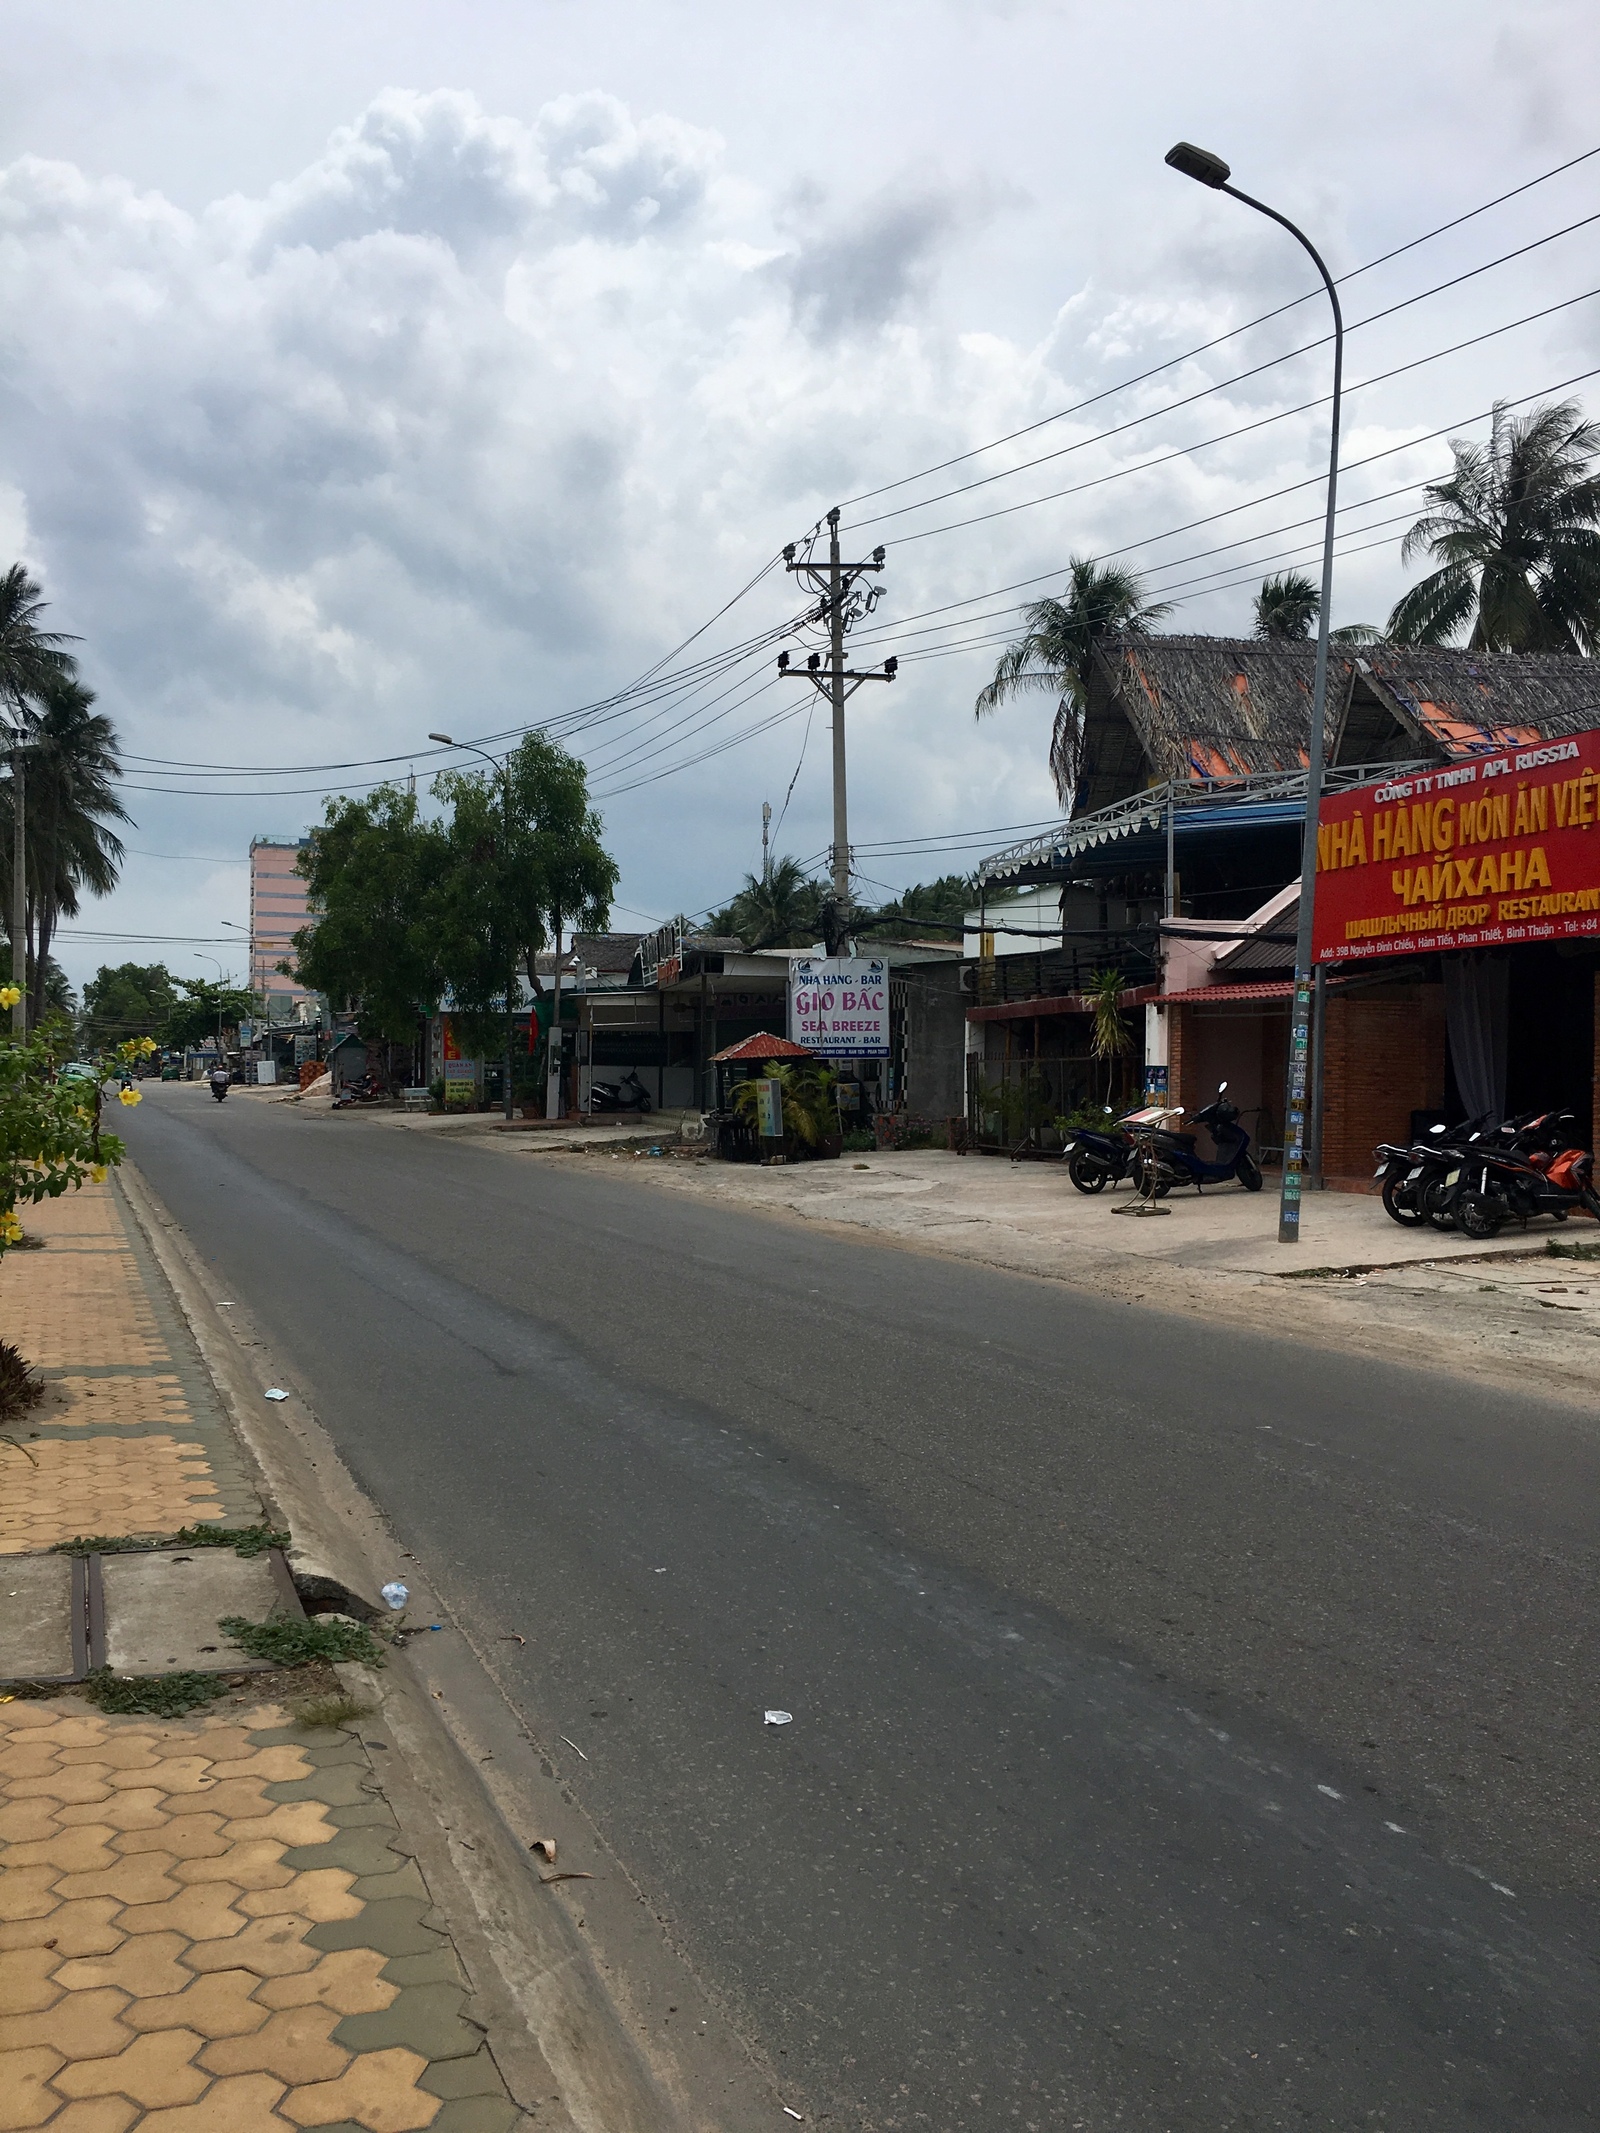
366,369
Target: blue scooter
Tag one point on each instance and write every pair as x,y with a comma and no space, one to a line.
1096,1160
1169,1157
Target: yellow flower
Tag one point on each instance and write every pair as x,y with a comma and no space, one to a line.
10,1229
9,995
98,1172
130,1097
147,1045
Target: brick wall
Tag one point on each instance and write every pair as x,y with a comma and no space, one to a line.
1180,1058
1383,1059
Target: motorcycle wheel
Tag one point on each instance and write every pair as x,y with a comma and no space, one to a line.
1248,1173
645,1107
1406,1212
1479,1215
1088,1174
1435,1203
1150,1180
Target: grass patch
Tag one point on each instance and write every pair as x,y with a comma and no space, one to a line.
243,1540
287,1642
19,1388
330,1711
1571,1251
157,1695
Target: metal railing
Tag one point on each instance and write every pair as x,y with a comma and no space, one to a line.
1148,810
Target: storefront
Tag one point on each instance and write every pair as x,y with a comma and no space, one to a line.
1476,887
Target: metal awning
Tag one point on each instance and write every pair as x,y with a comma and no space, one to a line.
1137,827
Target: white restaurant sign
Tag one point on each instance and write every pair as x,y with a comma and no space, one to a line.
840,1007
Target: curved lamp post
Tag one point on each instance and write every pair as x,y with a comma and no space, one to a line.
1208,169
504,772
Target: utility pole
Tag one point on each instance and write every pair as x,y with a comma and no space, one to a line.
766,840
842,605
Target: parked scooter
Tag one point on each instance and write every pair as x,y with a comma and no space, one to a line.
1540,1174
1167,1156
218,1081
1096,1160
630,1094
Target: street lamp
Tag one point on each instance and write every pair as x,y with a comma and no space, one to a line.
1209,169
445,741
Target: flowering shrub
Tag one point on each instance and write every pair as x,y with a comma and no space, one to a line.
50,1137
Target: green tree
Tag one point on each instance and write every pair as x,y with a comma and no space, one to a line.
507,894
31,657
1056,649
72,768
1514,532
778,909
32,660
126,1000
412,908
50,1137
205,1008
936,906
373,870
1109,1037
1287,607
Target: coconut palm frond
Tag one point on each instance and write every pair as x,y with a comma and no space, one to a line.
1287,606
1056,650
1435,608
1511,532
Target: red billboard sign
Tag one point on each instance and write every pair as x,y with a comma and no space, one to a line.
1482,854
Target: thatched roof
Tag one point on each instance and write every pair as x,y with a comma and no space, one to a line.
1194,708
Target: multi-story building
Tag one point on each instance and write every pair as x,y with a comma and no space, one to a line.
277,912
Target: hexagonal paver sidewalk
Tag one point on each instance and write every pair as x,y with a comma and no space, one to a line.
214,1926
131,1437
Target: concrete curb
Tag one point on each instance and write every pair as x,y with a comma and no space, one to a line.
552,2022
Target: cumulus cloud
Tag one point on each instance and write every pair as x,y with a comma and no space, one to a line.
470,418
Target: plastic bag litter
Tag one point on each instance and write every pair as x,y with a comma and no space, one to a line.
276,1392
394,1594
777,1718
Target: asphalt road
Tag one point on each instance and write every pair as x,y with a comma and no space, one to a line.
1190,1730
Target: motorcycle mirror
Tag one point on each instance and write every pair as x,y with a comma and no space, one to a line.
1107,1109
1436,1129
1221,1086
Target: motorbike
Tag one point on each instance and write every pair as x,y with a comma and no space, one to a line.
218,1080
1422,1183
630,1094
1539,1174
1167,1156
1096,1160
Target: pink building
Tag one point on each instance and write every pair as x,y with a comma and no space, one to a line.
277,911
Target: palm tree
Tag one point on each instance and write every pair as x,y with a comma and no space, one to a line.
32,659
72,771
1109,1038
1515,533
1055,651
778,909
1287,606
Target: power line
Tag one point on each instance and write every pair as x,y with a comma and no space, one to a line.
1222,384
1247,429
1233,333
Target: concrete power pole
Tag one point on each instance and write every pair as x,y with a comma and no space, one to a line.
842,605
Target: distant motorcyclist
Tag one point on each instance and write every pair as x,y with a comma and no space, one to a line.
217,1079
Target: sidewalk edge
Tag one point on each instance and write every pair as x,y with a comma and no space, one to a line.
549,2016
